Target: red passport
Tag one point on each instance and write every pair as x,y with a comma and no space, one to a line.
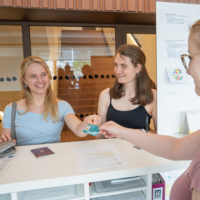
42,152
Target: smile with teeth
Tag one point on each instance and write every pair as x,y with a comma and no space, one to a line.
120,76
39,86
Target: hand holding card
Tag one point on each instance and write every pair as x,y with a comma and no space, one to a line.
93,119
91,130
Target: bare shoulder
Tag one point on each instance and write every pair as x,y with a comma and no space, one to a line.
19,103
154,93
105,93
10,104
154,103
104,100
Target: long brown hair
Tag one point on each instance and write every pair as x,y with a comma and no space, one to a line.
51,104
195,31
144,84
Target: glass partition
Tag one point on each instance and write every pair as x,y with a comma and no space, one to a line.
11,56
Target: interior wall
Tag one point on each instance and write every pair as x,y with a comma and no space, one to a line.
148,43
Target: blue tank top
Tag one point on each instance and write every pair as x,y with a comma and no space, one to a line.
135,118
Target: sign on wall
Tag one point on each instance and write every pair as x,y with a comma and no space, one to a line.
176,89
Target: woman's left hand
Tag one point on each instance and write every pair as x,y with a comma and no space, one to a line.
93,119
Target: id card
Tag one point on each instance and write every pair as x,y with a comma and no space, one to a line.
91,129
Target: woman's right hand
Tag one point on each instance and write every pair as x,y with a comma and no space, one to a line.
6,137
111,129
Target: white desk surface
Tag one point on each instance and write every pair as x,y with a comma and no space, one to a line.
27,172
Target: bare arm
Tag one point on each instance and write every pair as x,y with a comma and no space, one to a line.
103,107
77,126
164,146
6,134
154,112
195,194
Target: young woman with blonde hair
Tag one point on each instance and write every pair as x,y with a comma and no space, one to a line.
187,186
40,116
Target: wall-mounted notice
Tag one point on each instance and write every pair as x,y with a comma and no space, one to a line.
176,75
175,89
173,47
176,18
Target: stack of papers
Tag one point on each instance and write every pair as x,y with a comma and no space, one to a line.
5,163
138,195
106,186
156,179
49,193
123,180
3,196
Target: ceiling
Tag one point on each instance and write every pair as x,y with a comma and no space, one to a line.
67,16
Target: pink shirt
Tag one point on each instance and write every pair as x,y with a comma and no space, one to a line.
182,187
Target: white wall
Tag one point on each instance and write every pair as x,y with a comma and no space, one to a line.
173,21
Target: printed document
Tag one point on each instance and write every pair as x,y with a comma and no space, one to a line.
173,47
98,157
5,163
175,17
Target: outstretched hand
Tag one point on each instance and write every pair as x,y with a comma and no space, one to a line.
111,129
93,119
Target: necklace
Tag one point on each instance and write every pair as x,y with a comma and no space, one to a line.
38,108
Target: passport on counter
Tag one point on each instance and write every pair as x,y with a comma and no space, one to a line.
91,129
42,152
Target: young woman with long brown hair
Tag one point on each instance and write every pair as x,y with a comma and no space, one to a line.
133,97
40,116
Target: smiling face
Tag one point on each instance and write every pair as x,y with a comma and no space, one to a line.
36,78
194,65
125,70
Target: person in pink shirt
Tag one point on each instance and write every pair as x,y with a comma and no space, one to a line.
187,186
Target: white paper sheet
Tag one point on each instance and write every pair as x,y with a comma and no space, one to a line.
5,163
137,195
193,118
176,18
107,186
98,157
173,47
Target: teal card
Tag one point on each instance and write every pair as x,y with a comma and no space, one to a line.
91,129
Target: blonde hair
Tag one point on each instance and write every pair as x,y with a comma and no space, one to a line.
51,104
195,31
